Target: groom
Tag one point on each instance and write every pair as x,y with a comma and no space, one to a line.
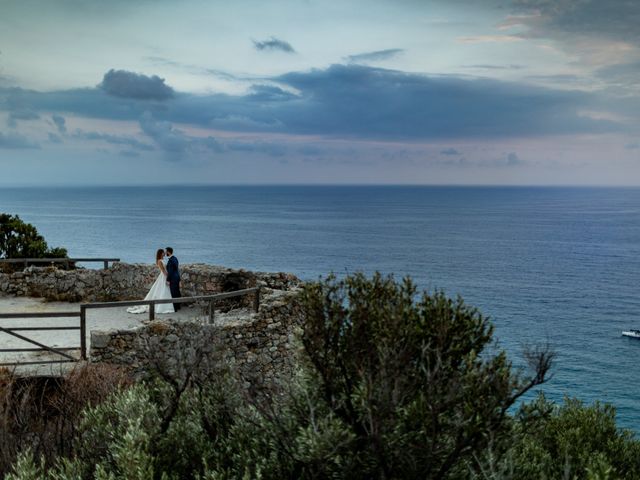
173,277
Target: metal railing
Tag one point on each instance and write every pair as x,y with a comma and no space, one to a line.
211,299
82,314
61,351
65,261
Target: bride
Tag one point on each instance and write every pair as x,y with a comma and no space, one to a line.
159,290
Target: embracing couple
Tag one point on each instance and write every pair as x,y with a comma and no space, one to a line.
167,285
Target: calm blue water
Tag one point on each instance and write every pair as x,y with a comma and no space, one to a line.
556,265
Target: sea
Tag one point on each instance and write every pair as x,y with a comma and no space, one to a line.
550,266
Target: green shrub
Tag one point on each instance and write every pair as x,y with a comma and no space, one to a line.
572,441
21,240
390,385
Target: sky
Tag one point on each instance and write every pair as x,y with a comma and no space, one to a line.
484,92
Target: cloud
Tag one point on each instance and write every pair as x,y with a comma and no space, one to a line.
269,93
122,83
625,75
564,78
60,123
495,67
449,151
375,56
53,138
15,141
129,153
176,143
357,101
594,32
614,19
490,39
268,148
632,146
14,116
513,159
361,101
167,137
112,139
274,43
310,150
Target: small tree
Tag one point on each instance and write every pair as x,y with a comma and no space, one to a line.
22,240
409,377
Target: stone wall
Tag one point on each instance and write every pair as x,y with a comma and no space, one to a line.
132,281
260,347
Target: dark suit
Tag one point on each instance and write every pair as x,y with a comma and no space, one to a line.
173,277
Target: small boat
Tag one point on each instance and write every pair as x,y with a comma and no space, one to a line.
631,333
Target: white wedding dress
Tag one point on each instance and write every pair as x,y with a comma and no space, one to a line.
159,291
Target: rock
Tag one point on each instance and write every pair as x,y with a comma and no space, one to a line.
100,339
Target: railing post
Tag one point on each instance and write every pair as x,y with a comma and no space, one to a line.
152,311
256,301
83,332
106,265
211,312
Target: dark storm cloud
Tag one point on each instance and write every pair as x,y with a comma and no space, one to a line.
355,101
375,56
60,123
122,83
16,141
449,151
112,139
274,43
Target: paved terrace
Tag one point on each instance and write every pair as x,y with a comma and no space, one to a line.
97,319
63,290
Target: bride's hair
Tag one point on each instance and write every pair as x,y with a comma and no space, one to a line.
159,254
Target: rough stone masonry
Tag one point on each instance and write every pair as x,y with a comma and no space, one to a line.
259,347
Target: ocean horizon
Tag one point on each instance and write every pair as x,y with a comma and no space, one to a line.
548,264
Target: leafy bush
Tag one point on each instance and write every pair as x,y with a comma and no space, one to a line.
409,378
571,441
390,386
22,240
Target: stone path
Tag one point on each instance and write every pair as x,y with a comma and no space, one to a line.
97,319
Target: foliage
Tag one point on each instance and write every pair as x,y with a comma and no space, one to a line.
21,240
390,386
572,441
43,414
408,377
